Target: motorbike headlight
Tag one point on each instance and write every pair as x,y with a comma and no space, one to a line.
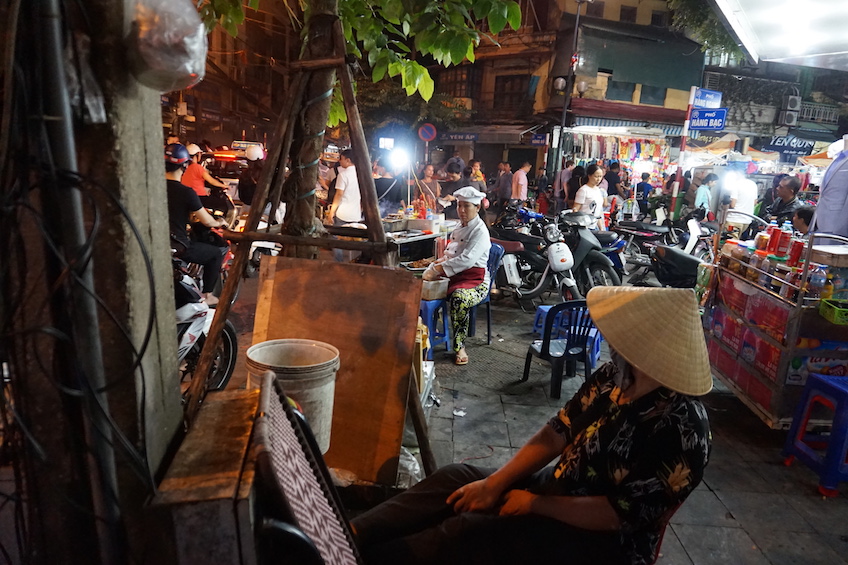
552,233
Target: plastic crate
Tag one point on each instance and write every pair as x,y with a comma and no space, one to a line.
834,311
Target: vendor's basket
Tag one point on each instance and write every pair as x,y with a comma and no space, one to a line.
834,311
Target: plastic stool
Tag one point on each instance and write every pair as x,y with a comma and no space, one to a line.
439,330
832,467
539,320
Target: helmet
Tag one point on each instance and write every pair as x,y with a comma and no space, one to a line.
193,149
254,153
176,153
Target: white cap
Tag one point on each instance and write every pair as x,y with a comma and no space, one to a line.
193,149
469,194
254,153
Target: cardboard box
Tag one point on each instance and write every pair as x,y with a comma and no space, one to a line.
759,393
769,314
727,328
735,293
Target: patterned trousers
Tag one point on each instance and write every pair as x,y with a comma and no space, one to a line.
460,303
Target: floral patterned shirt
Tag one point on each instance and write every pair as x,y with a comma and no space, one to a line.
645,456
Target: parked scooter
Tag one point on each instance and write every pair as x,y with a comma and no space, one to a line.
194,319
672,267
522,273
592,266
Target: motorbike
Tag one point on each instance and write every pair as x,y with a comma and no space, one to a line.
194,319
642,237
672,267
592,266
530,273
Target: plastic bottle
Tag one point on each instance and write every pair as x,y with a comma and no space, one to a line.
766,267
784,240
827,290
756,262
793,278
816,282
838,282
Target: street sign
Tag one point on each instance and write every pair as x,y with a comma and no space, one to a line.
427,132
707,119
539,139
707,98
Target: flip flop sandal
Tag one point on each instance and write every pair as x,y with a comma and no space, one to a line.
461,360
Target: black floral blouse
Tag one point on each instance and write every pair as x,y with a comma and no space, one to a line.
645,456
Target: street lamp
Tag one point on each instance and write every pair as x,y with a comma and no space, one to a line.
568,87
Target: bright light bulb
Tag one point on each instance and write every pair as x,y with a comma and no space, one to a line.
398,159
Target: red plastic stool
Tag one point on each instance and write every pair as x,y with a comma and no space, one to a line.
832,467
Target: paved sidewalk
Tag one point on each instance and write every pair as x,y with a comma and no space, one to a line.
750,508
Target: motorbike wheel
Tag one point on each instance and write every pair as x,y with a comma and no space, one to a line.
603,275
673,237
634,258
567,293
704,253
223,364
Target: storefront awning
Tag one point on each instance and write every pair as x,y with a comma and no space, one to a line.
667,129
509,134
814,134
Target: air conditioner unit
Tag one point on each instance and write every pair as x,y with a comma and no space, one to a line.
792,103
787,118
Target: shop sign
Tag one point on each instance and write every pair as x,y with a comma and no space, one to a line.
790,146
458,136
210,115
164,100
539,139
707,98
707,119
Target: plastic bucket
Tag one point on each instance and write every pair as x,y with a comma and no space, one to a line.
307,372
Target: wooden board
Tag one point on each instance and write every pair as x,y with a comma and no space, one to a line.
370,314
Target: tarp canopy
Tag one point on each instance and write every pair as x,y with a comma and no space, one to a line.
817,160
758,155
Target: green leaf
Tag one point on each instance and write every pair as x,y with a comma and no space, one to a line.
470,54
253,4
405,28
513,15
458,48
426,86
379,70
497,21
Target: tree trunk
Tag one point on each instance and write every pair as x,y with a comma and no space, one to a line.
308,141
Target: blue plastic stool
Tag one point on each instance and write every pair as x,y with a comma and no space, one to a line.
539,320
439,330
832,467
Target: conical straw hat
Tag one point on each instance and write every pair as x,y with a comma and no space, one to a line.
658,331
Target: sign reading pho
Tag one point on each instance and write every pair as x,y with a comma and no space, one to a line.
707,98
707,119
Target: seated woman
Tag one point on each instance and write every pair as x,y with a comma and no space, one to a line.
464,263
632,445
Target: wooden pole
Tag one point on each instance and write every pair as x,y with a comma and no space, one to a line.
361,158
276,160
419,423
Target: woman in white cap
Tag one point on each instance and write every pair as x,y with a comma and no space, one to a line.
632,444
464,263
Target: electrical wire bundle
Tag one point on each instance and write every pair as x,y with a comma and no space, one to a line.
65,428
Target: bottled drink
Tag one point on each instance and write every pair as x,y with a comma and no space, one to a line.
838,283
816,281
765,266
792,278
827,290
784,240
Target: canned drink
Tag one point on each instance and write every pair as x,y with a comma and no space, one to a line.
796,248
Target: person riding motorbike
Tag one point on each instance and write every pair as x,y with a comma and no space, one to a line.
183,206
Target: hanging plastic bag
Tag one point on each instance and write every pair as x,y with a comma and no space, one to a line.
167,44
